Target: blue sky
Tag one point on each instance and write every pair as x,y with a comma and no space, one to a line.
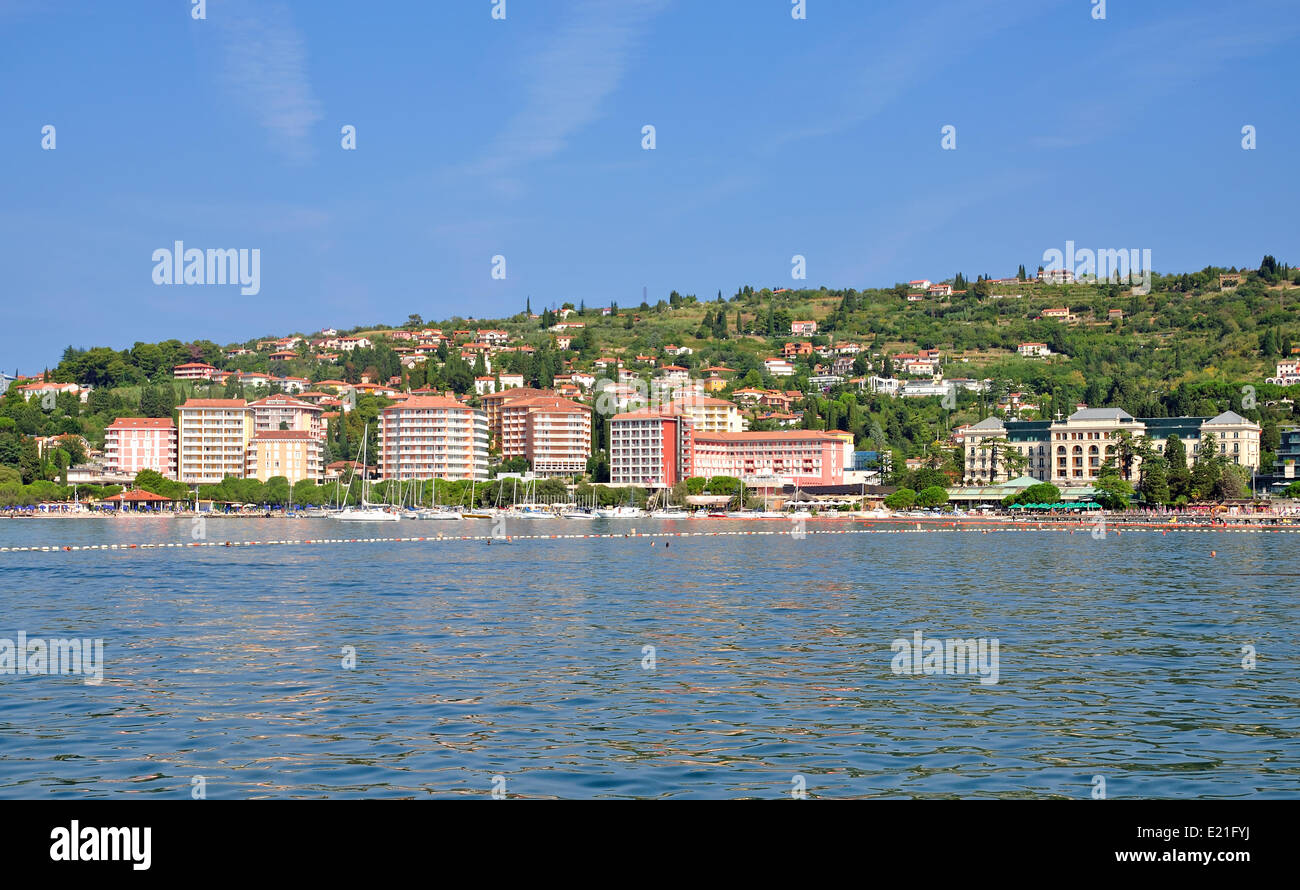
478,137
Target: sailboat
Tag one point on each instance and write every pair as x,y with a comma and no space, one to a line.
437,513
576,512
471,511
668,510
365,512
530,509
626,511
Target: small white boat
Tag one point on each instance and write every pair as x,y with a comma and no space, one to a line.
531,514
620,513
439,515
577,514
366,514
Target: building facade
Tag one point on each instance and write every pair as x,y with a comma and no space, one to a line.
649,447
1073,451
286,413
788,457
493,402
213,439
132,444
552,433
710,415
293,454
432,437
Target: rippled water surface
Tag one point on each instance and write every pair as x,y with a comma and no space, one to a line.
1120,658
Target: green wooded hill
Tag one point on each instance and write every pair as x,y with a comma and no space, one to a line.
1197,344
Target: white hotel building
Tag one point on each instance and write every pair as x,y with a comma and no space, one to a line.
431,437
213,436
1072,451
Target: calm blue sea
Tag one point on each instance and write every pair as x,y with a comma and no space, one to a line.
1119,658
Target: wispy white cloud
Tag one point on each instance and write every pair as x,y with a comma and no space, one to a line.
1156,60
264,65
894,62
566,82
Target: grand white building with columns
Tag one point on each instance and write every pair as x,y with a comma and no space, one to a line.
1072,451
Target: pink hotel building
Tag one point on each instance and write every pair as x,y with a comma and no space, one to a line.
651,447
132,444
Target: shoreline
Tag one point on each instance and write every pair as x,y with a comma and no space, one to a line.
1116,522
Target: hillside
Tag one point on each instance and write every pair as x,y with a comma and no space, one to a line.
1197,344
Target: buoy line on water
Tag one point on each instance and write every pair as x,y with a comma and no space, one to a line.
633,533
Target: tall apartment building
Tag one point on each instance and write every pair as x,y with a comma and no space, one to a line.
213,439
1072,451
132,444
649,447
553,433
428,437
494,402
294,454
286,412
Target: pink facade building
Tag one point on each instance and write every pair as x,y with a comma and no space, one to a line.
798,457
553,433
132,444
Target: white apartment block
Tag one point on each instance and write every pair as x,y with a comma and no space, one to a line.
431,437
213,439
285,413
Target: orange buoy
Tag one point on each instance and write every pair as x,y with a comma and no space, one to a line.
1213,553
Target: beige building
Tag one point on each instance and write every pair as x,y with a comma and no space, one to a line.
1072,451
287,413
213,436
710,415
294,454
